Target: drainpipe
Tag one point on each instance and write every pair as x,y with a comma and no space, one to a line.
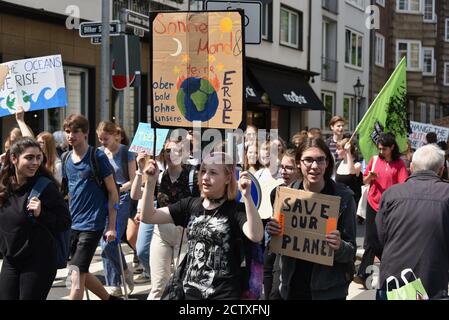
309,40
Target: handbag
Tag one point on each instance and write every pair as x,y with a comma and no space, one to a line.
363,202
413,290
174,290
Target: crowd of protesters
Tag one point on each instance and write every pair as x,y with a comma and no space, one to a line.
176,211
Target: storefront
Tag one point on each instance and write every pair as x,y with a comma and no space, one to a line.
280,96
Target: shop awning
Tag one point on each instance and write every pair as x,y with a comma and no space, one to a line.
253,94
286,88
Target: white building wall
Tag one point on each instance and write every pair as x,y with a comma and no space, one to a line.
273,51
352,17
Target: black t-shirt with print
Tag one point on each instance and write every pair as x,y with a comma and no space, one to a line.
213,257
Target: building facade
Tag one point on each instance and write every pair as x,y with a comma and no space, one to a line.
341,47
418,30
278,70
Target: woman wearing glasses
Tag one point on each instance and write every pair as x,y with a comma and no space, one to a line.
216,220
303,280
382,172
291,177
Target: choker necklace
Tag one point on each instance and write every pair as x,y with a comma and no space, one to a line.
215,200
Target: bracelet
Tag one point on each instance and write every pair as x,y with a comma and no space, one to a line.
139,173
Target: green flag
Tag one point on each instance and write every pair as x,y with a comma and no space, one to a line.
387,113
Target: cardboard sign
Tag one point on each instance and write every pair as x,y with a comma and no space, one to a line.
4,70
35,84
197,62
144,139
307,218
419,131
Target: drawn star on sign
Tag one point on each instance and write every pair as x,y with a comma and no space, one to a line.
185,57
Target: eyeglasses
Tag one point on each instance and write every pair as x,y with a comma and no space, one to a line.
287,168
320,161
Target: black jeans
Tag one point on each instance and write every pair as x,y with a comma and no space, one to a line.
373,247
27,281
271,276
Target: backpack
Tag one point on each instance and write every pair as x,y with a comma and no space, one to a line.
251,267
93,161
61,239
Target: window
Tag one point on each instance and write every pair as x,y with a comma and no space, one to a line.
411,110
431,113
349,111
357,3
381,2
428,62
290,32
328,99
446,73
354,48
429,10
412,50
380,50
446,33
267,22
423,112
408,6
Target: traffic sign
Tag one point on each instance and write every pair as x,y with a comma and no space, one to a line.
93,29
135,20
95,40
252,20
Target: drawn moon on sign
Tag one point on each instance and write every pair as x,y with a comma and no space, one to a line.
178,50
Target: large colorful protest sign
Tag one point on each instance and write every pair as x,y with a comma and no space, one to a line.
306,218
35,84
144,139
419,130
197,61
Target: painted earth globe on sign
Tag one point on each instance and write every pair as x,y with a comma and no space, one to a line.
197,99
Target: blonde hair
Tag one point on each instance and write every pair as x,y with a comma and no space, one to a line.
228,165
109,128
49,150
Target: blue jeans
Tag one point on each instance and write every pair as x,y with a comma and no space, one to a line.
109,250
144,237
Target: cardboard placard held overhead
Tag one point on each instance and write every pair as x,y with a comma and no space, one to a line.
4,70
144,139
307,218
197,69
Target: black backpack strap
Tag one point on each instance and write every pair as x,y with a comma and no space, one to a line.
64,158
94,165
40,185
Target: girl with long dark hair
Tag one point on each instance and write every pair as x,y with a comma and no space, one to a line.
26,225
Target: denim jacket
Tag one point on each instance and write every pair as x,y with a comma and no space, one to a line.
330,282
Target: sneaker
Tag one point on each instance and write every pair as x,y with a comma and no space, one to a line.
138,269
129,280
142,278
115,291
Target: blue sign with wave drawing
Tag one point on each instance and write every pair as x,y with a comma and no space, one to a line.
35,84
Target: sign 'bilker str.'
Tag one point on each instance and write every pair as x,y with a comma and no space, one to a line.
306,218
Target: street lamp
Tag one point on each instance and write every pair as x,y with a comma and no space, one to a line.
358,91
358,88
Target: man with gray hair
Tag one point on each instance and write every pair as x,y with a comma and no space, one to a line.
413,225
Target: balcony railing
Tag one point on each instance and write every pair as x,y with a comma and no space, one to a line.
330,5
329,69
